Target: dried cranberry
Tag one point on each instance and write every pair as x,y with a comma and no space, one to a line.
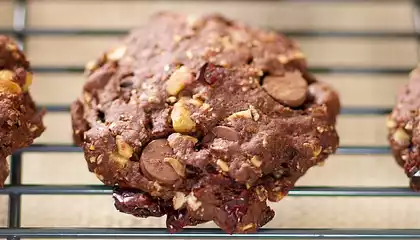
177,220
415,183
211,73
137,203
236,208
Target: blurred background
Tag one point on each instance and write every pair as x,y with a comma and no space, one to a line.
365,49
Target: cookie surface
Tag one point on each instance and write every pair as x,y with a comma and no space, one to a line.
203,119
20,121
404,129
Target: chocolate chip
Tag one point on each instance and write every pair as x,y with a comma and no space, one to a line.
289,89
223,132
101,115
126,84
226,133
153,162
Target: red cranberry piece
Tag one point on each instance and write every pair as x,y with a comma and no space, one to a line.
136,203
237,208
211,73
176,221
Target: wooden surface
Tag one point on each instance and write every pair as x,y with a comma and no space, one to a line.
365,90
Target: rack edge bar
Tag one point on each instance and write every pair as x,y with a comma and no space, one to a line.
160,233
68,148
310,191
344,110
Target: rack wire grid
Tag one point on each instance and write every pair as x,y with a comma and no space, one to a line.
16,189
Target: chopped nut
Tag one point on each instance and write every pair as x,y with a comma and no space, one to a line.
223,165
166,67
16,55
91,66
177,38
33,128
241,114
153,99
401,137
157,186
205,107
91,147
317,150
390,123
176,165
193,203
409,126
256,161
247,227
124,149
321,164
320,129
297,55
328,150
11,47
178,79
87,97
189,54
195,22
119,159
6,75
92,159
278,196
261,193
28,81
196,102
100,177
171,100
177,137
99,159
9,87
224,63
179,200
117,53
248,186
254,113
181,118
283,59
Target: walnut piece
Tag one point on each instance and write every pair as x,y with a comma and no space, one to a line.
117,53
178,80
223,165
181,119
256,161
9,87
176,165
179,200
193,202
241,114
124,149
401,137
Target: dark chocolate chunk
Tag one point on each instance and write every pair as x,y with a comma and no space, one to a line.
154,162
290,89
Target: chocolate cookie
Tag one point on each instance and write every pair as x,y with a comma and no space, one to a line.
20,121
203,119
404,129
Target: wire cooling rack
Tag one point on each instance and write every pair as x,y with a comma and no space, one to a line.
16,189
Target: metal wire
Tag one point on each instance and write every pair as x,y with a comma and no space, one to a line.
16,189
